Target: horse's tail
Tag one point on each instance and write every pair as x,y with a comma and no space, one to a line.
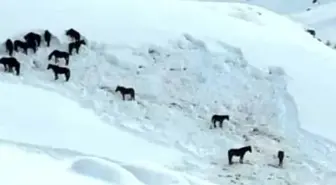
51,55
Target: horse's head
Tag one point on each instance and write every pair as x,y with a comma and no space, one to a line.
117,89
49,66
249,148
82,42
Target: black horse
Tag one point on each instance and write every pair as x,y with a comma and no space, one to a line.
59,70
47,37
9,47
33,37
219,118
73,34
281,155
25,46
10,63
76,45
124,91
238,152
311,31
59,54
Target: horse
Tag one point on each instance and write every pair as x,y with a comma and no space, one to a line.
59,70
219,118
24,46
33,37
238,152
73,34
76,45
124,91
281,155
10,63
47,37
9,47
59,54
311,31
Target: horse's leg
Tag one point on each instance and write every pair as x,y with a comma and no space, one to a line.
56,75
230,159
221,123
66,60
56,60
5,67
77,49
214,123
241,158
123,95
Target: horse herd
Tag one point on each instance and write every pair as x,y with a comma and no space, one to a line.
240,152
33,41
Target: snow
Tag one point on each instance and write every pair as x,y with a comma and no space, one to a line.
186,61
321,18
281,6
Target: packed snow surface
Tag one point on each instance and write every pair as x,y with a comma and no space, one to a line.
186,61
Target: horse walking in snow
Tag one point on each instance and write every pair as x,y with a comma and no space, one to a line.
47,37
281,155
124,91
9,63
59,70
220,119
72,33
238,152
59,54
9,47
76,45
33,37
25,46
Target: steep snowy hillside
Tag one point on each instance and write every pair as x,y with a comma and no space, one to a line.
280,6
186,62
72,141
322,19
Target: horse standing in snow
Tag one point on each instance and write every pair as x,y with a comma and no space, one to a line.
47,37
33,37
76,45
9,47
73,34
59,70
312,32
10,63
59,54
124,91
281,155
238,152
219,118
25,46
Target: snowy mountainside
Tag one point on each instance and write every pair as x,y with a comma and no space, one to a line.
280,6
321,19
183,73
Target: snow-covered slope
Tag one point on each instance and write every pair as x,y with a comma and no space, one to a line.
322,19
186,61
280,6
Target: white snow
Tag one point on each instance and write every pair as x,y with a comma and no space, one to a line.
197,59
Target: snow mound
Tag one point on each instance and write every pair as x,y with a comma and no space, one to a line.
22,167
109,172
